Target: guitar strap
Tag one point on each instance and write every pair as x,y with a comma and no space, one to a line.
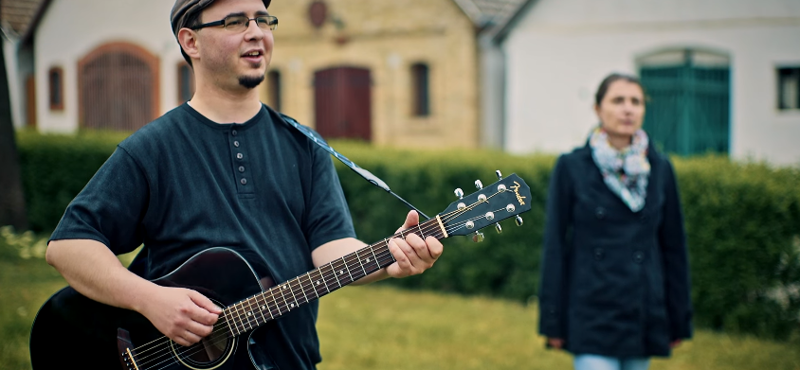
316,138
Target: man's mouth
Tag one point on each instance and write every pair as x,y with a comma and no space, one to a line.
253,55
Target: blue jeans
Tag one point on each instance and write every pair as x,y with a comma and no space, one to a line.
595,362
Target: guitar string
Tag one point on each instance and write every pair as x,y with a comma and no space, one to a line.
383,257
326,276
142,348
381,254
147,364
279,306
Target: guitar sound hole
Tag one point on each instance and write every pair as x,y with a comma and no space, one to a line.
209,352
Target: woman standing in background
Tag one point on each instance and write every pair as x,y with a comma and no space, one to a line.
615,275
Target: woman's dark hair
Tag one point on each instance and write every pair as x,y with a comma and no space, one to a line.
603,89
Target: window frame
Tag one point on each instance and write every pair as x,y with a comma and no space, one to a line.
420,90
55,94
783,74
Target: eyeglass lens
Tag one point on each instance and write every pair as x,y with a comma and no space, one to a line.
240,23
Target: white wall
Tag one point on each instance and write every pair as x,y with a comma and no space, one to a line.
561,49
492,83
16,82
70,29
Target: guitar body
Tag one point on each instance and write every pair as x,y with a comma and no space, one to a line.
73,331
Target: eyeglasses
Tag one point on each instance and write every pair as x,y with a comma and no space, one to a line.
239,23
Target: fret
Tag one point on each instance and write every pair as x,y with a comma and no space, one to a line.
284,301
277,305
236,320
348,270
386,241
362,264
262,307
291,290
249,313
312,285
421,234
239,316
291,306
226,315
300,282
322,277
334,275
377,262
257,311
266,305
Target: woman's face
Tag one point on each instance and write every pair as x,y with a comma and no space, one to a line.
621,111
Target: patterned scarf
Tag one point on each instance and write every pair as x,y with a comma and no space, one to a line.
625,172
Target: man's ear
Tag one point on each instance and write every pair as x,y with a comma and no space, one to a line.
188,40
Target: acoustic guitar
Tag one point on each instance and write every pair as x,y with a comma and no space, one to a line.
72,329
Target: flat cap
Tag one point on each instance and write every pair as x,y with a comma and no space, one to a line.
183,10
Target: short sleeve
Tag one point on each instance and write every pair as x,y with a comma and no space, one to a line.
328,216
110,207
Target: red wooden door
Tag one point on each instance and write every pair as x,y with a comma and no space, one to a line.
118,87
343,103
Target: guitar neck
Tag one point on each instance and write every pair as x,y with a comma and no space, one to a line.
255,311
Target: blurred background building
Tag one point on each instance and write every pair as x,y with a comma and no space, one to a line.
722,75
518,75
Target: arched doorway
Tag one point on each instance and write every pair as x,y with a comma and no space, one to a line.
343,103
118,87
689,107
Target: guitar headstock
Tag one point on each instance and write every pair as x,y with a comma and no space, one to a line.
504,199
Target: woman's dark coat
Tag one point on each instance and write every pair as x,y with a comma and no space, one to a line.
614,282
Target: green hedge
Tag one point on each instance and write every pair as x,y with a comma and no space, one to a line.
743,221
56,167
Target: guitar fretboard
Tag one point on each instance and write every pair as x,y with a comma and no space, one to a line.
289,295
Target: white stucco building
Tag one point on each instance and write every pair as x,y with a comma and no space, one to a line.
558,51
111,27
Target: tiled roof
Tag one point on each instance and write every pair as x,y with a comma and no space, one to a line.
17,15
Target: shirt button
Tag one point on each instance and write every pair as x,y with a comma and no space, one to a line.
241,168
638,257
236,144
600,212
598,254
233,132
239,156
244,181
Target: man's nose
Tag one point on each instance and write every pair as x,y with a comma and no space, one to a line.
253,31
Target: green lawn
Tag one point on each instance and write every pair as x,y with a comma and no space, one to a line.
380,327
386,328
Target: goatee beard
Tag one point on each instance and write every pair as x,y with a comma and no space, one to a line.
251,81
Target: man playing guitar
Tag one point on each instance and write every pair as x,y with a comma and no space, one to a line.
220,170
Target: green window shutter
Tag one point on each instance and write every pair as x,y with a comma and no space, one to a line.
688,111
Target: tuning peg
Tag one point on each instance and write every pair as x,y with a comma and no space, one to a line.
478,184
459,193
477,237
518,220
499,174
498,228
